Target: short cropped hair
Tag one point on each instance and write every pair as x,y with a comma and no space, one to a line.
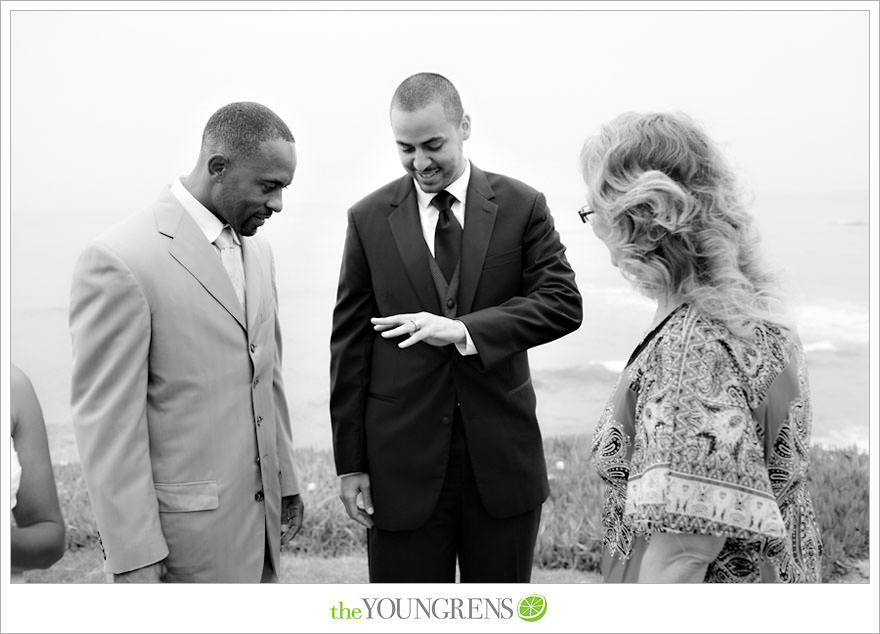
676,217
423,89
239,128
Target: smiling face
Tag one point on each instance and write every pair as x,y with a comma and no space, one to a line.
247,190
429,145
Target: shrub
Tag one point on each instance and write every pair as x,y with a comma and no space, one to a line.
571,525
570,536
839,485
80,525
327,530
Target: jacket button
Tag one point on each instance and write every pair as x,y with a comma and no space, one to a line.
259,419
450,303
258,460
256,381
445,420
253,347
258,496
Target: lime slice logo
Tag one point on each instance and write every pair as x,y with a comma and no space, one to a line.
532,608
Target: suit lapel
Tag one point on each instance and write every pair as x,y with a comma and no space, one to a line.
190,248
406,227
479,221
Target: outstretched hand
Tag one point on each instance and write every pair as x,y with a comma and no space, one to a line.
432,329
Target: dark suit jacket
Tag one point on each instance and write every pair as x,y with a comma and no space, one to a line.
391,409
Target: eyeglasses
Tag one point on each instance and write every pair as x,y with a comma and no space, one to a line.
585,212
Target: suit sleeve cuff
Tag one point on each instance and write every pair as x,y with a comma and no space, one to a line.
289,484
467,348
131,556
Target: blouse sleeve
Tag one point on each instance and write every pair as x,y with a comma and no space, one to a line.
698,462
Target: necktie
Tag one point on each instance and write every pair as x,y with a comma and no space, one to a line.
230,255
447,236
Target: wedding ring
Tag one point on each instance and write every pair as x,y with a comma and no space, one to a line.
416,326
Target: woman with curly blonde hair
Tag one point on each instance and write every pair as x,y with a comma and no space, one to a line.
704,445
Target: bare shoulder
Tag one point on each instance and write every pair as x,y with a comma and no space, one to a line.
18,380
23,399
20,386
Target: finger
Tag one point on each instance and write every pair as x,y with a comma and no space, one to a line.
349,501
399,331
286,523
411,340
356,514
286,534
364,520
351,508
382,324
394,331
391,320
367,499
290,529
296,527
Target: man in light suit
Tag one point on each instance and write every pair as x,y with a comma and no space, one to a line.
178,404
435,435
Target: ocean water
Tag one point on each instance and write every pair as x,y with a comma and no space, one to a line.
819,246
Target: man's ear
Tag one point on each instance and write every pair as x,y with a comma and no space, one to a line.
217,165
465,127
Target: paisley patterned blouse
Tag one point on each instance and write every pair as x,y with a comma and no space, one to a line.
709,433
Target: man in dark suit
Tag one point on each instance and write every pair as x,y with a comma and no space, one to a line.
435,435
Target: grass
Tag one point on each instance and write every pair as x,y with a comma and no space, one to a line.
569,541
839,485
85,566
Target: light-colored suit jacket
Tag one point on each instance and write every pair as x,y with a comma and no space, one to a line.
178,403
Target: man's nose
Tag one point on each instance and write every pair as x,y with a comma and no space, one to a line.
275,203
422,161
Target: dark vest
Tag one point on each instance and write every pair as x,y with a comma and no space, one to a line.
447,293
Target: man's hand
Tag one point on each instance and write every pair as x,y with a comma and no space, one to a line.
148,574
350,488
432,329
292,509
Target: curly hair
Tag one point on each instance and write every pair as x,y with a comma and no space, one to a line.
676,221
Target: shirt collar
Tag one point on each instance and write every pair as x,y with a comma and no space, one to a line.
208,223
457,188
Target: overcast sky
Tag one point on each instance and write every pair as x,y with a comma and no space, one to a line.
107,106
